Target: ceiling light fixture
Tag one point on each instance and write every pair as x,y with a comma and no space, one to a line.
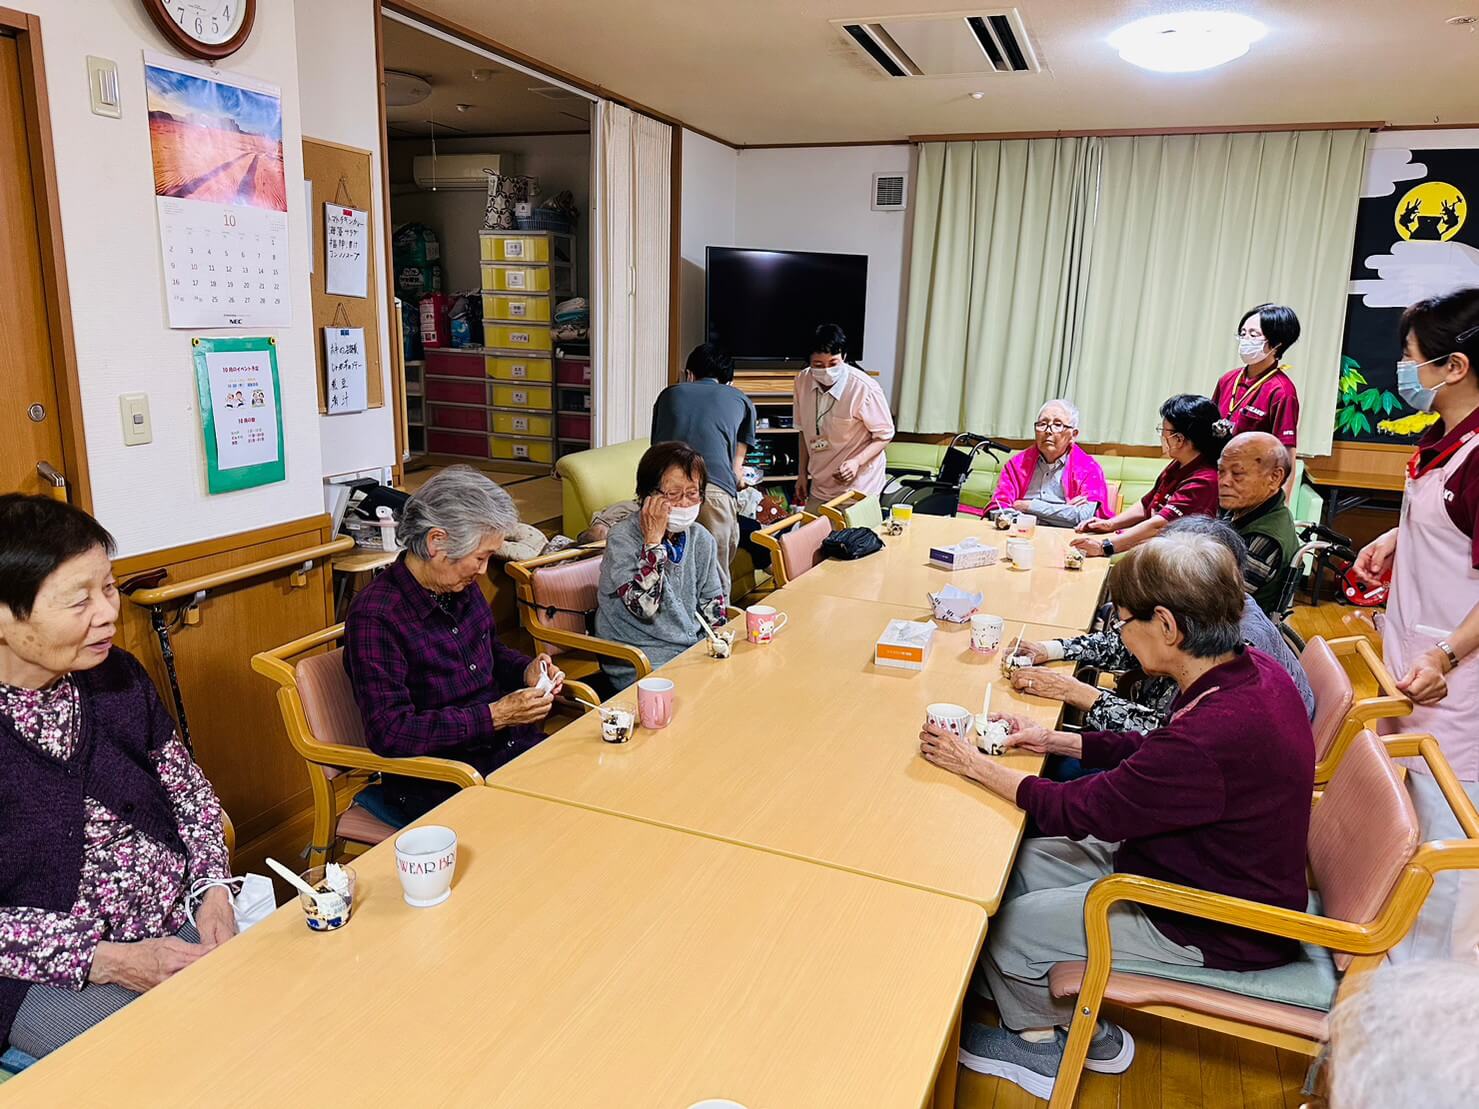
405,89
1184,42
977,95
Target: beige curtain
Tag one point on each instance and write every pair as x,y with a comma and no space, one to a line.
1192,230
633,221
997,257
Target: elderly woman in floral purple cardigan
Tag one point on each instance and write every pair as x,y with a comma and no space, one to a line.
105,820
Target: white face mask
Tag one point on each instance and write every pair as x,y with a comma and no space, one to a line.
681,519
828,376
1252,350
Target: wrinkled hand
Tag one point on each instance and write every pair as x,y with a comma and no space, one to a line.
1375,560
654,519
1026,735
1095,526
142,965
1425,682
527,706
1035,651
847,470
1022,505
531,675
1092,548
802,489
1052,684
946,750
215,920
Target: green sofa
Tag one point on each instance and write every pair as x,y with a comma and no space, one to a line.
591,480
1136,476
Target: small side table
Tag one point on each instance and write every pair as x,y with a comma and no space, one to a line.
347,570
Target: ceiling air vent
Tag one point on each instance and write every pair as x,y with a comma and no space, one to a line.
889,192
950,45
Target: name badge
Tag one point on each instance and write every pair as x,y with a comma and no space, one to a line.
819,444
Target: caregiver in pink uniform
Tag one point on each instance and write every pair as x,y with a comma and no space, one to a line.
1432,622
844,424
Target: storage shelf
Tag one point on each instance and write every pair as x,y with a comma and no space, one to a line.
775,431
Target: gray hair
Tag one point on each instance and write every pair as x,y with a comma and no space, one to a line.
1195,579
462,502
1068,407
1220,530
1404,1036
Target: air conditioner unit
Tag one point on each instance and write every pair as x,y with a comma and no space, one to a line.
456,171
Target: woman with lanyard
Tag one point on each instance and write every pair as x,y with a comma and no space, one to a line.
1259,396
1432,620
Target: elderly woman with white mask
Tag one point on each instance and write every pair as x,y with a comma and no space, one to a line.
661,568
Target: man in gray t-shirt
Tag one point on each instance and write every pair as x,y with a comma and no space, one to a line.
714,418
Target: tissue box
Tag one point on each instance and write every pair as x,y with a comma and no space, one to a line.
966,555
904,645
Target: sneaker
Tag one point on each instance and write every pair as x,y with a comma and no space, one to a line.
995,1051
1110,1051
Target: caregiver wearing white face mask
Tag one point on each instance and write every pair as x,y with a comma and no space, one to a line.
1432,621
844,424
661,567
1258,395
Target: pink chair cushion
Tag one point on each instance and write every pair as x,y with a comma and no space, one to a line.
1363,831
359,826
800,545
1139,990
569,585
1333,692
328,701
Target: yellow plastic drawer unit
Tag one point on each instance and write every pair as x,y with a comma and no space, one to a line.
515,279
522,450
511,367
512,423
521,396
514,308
515,248
501,336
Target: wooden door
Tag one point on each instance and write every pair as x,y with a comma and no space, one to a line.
30,412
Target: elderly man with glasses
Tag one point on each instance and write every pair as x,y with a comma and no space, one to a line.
1054,479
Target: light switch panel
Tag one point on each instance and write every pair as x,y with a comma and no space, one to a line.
136,426
102,87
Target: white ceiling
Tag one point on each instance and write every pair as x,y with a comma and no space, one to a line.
499,104
777,71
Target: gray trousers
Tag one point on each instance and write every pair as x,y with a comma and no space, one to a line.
50,1016
1041,922
719,514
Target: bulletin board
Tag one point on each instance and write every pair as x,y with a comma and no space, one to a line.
341,175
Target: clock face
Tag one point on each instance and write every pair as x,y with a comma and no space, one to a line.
211,22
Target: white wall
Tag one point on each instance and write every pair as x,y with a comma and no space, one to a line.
817,198
559,161
154,496
706,218
341,103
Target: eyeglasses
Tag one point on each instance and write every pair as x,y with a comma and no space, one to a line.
1052,427
681,495
1116,623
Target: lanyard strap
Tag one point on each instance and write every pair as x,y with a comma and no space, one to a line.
820,415
1252,391
1415,470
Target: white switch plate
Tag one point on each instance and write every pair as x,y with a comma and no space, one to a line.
137,429
102,87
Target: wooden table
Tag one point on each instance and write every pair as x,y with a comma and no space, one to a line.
805,748
901,574
582,960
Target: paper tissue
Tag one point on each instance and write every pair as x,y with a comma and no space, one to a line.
955,605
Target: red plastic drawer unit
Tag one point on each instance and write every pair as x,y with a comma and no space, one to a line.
575,427
469,444
444,416
457,392
444,364
568,371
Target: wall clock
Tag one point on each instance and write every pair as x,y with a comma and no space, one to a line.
210,29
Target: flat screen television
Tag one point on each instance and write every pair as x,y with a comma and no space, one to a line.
765,305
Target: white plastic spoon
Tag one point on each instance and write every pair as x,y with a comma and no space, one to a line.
329,904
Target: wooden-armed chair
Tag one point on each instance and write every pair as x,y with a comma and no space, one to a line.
853,510
1339,717
325,728
1372,877
557,597
795,544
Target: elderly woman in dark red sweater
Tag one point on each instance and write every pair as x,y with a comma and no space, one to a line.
105,820
1218,799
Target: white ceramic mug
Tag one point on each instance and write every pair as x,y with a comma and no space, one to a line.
955,719
1024,555
425,859
986,632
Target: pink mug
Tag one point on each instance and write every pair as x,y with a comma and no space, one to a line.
655,702
762,622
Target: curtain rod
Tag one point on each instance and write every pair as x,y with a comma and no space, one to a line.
985,136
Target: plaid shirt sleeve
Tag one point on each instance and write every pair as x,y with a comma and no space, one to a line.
1265,559
394,727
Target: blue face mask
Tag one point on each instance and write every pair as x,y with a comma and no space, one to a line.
1410,387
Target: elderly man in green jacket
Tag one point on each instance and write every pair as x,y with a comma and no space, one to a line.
1250,490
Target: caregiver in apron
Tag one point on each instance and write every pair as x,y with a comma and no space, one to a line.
1432,622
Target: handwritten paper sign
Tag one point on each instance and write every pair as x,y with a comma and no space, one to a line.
241,412
346,251
347,370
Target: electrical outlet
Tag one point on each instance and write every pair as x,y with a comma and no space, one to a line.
137,429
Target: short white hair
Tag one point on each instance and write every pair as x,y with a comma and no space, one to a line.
1405,1036
1069,408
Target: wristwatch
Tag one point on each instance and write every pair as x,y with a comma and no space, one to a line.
1444,646
1107,547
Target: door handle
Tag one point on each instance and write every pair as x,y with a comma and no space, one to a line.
54,480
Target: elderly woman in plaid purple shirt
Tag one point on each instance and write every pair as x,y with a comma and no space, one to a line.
428,670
